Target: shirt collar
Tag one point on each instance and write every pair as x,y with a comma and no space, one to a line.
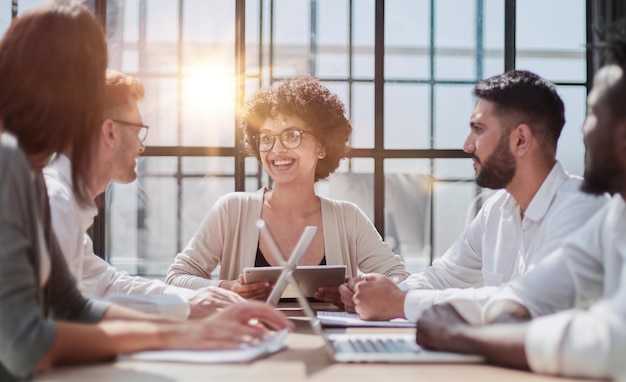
542,200
61,167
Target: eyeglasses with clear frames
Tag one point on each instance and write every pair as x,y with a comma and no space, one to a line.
143,129
290,138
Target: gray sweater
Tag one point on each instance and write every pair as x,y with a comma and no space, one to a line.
28,310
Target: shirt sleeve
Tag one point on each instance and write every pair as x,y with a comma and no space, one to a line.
579,343
419,300
66,224
572,276
147,295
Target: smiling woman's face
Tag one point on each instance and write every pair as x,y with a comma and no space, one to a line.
290,164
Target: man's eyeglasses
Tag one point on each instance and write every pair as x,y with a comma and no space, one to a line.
143,129
290,138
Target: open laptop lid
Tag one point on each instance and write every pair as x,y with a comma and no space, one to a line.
286,277
288,266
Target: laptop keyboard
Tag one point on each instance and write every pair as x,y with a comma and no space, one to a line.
377,345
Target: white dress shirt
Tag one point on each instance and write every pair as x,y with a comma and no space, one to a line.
590,265
95,277
500,244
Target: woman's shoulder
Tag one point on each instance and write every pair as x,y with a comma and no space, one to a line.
12,159
341,206
240,198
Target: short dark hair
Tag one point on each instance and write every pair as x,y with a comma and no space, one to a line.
523,97
304,97
52,65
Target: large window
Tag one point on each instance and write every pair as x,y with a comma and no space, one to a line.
404,68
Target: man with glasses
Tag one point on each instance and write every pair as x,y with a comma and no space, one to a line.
120,143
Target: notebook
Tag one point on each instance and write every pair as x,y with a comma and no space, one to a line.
343,347
345,319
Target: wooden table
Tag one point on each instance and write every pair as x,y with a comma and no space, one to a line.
304,359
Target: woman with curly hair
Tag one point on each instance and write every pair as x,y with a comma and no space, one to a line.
299,132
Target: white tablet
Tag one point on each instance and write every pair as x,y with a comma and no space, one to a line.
310,277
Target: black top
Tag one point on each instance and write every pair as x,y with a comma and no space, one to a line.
260,261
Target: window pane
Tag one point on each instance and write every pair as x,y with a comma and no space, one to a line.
451,203
141,221
199,195
453,107
5,16
407,116
362,116
363,38
291,37
453,169
407,210
558,56
407,36
159,109
571,149
332,39
455,39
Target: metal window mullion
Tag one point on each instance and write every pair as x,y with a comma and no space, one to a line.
271,42
480,49
480,52
259,168
240,64
509,34
312,36
179,126
431,54
379,117
350,63
99,227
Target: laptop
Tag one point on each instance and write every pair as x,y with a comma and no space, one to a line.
362,347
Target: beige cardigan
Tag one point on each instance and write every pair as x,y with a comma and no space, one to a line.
228,236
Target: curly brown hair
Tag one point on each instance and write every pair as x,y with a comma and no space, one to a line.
306,98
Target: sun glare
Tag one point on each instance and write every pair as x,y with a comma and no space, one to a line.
209,89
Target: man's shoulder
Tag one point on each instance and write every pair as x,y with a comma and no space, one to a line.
496,199
570,193
59,191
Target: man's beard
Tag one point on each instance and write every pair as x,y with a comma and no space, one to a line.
601,175
499,168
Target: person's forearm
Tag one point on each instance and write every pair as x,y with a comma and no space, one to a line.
83,343
500,344
117,312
